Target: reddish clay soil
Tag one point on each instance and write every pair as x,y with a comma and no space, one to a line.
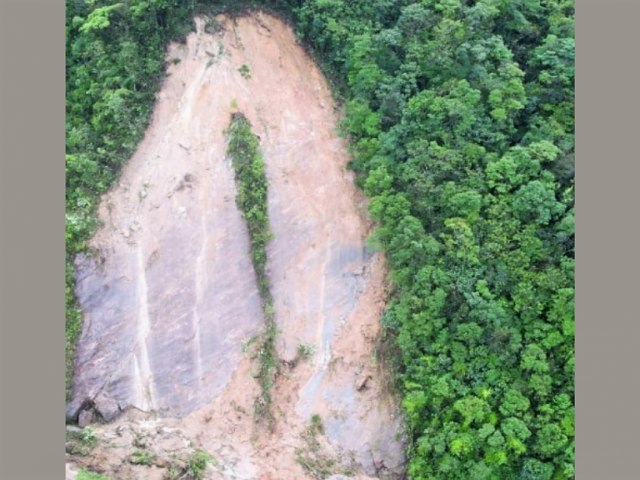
170,298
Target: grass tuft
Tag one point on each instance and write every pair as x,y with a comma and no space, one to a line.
142,457
81,442
87,475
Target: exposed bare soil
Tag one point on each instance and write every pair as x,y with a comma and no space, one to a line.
170,299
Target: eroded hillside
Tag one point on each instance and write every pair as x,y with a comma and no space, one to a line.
170,299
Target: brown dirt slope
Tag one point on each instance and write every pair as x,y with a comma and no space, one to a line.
170,299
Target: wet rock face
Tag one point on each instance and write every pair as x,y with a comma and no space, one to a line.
170,292
169,297
165,312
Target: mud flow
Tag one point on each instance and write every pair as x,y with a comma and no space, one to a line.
170,299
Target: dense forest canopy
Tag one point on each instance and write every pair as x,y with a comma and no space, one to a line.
460,115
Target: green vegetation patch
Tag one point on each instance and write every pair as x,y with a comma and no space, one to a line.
198,464
305,351
80,442
245,71
142,457
191,468
251,198
87,475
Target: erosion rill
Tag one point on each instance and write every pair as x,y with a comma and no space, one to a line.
180,284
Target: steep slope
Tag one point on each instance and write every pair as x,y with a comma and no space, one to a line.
170,297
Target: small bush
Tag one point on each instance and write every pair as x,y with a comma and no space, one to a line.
81,442
88,436
245,71
142,457
316,424
198,464
306,351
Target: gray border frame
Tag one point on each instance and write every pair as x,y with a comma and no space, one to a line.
607,259
32,240
32,72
